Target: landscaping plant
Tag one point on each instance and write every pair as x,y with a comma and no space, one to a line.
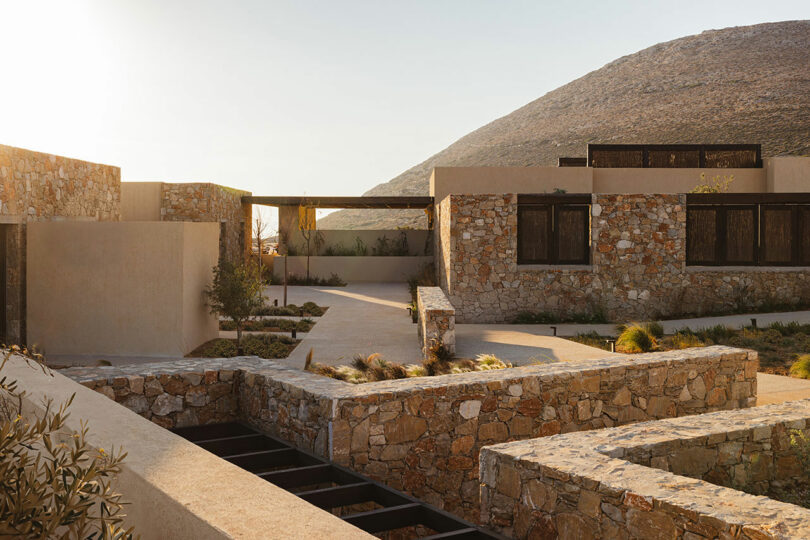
801,367
52,485
635,338
234,293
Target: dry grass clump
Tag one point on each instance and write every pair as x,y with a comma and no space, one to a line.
801,367
375,368
636,338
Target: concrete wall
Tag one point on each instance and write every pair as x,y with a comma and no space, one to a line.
119,288
176,489
140,201
353,269
417,239
780,174
787,174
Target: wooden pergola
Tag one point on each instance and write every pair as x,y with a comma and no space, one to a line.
394,202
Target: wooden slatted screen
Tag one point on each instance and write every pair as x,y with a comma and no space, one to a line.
804,235
674,158
777,234
741,235
534,233
572,234
701,235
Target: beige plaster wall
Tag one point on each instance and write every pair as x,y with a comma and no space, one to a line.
475,180
482,180
140,201
354,269
673,180
788,174
123,288
176,489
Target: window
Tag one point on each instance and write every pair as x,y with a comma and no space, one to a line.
764,229
554,229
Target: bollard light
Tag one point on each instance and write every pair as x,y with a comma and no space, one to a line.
612,343
554,329
753,322
293,333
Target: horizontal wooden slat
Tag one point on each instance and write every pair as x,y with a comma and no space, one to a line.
747,198
554,198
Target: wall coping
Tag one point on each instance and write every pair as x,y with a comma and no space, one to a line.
433,299
334,389
596,456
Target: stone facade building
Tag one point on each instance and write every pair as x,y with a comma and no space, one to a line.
580,241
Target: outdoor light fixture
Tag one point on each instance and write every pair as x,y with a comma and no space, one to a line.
554,329
275,302
293,333
612,343
754,322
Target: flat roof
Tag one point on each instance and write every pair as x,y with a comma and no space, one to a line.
392,202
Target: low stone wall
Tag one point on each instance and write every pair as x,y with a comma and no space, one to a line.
423,435
437,319
661,479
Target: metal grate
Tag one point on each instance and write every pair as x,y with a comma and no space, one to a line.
361,501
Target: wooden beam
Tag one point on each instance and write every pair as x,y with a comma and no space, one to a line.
343,202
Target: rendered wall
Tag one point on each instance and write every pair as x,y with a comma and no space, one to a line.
638,265
140,201
787,174
130,288
417,240
353,269
38,187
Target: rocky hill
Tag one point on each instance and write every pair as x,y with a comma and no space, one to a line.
748,84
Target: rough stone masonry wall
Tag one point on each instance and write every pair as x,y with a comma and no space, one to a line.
662,479
424,434
39,187
638,265
437,320
209,202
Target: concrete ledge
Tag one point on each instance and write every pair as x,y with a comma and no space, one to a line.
663,479
176,489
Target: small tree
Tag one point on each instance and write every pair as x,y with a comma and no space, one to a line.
234,293
306,225
259,229
50,488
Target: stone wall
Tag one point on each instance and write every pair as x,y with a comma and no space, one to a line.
437,320
423,435
39,187
210,202
663,479
638,265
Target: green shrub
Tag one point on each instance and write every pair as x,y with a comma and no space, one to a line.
235,292
685,341
635,339
655,329
528,317
267,346
801,367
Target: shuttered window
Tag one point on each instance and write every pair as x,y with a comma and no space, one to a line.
553,229
765,234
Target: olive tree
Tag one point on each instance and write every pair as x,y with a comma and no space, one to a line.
235,293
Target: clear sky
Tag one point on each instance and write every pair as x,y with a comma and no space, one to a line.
322,98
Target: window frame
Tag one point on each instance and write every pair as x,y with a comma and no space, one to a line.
555,202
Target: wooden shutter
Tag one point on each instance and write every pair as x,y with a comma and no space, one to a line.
777,234
701,235
740,225
534,231
804,235
572,228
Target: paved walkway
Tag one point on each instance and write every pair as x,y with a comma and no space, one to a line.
778,388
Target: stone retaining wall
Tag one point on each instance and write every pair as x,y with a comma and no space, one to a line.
423,435
437,320
209,202
638,265
663,479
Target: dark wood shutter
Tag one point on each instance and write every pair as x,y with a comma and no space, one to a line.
534,232
804,235
701,235
777,234
740,235
572,228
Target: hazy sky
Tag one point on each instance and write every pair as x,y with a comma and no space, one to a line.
322,98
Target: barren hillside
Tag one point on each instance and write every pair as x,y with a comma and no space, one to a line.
747,84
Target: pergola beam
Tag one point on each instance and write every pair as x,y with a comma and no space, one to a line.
343,202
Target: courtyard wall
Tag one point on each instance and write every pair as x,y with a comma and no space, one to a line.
423,435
